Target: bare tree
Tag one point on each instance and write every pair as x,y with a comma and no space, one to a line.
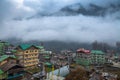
78,74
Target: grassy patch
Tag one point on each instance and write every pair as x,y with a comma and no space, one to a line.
48,69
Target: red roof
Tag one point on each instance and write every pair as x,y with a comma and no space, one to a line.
82,50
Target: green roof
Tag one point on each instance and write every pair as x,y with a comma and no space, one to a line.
4,43
25,46
99,52
46,57
1,72
13,51
46,52
2,58
40,47
12,56
48,64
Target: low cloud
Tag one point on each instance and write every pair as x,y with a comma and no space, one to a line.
71,28
78,28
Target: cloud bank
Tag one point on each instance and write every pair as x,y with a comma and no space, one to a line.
78,28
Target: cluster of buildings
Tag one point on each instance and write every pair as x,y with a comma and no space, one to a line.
95,57
16,62
87,58
105,65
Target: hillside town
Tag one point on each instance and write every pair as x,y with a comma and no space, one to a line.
59,39
34,62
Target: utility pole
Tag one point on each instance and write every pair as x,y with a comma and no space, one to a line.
52,73
42,71
58,74
68,57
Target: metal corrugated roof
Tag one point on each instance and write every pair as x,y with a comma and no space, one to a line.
2,58
48,64
25,46
40,47
97,52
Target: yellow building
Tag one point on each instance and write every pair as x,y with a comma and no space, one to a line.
27,55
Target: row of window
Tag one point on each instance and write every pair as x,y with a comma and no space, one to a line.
31,55
29,51
98,61
91,55
98,57
26,59
28,63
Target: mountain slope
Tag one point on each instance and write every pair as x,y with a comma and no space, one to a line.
91,10
77,9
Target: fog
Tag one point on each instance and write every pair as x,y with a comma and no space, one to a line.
76,28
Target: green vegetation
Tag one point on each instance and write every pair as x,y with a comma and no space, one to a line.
1,72
2,75
78,74
48,69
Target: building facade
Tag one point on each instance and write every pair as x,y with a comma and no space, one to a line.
3,46
6,48
27,55
83,57
97,57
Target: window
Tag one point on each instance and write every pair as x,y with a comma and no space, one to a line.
26,51
26,55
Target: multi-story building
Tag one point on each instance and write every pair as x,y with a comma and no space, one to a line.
9,49
97,57
83,57
27,55
5,48
44,56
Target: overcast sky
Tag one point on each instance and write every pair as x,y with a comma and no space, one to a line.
78,28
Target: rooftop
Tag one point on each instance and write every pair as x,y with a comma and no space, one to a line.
99,52
82,50
26,46
63,71
2,58
40,47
